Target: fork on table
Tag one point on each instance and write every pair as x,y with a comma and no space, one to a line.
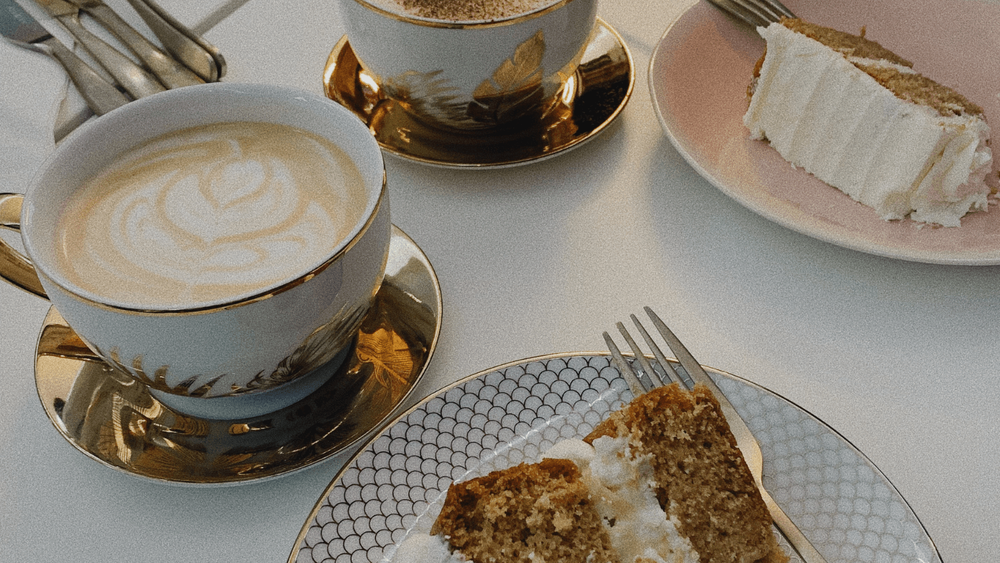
645,377
755,12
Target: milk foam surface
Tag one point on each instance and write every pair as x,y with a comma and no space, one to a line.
210,213
822,113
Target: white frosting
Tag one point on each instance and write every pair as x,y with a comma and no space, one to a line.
424,548
825,115
621,488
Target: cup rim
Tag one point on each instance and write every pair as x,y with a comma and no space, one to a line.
48,272
461,24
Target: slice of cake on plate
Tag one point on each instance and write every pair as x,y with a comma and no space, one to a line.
659,481
859,118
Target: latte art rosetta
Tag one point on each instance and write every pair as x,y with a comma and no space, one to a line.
210,213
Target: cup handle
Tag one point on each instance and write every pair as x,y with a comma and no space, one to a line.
14,266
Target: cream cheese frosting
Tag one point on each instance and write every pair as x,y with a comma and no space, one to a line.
425,548
824,114
622,488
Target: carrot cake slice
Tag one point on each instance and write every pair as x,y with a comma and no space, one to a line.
659,481
859,118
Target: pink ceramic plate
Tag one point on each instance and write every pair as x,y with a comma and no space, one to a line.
698,77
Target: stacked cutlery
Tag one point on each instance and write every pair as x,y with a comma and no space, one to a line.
185,59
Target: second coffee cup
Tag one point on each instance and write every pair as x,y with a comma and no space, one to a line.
455,67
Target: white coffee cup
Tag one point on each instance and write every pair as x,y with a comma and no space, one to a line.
470,75
234,356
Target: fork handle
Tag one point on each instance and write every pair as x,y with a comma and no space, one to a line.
203,59
795,536
101,96
131,76
172,73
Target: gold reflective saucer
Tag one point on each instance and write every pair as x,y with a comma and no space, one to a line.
113,419
591,100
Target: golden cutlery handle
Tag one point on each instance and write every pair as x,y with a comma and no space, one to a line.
189,48
795,536
129,75
101,96
172,73
14,266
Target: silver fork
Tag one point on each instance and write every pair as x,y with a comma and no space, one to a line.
646,378
755,12
170,71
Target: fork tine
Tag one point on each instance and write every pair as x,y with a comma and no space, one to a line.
652,378
691,366
667,367
752,17
755,12
759,9
773,10
744,437
687,361
780,8
634,383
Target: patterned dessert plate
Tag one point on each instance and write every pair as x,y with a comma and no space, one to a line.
512,413
698,76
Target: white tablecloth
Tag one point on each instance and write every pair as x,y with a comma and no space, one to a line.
899,357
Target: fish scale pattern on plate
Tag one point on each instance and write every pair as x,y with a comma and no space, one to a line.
513,413
838,498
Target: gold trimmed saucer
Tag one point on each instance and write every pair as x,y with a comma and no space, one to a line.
113,419
591,100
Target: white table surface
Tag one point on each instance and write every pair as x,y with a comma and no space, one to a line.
899,357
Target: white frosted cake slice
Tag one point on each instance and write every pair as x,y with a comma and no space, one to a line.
859,118
660,481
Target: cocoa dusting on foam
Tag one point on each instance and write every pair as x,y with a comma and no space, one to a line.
470,10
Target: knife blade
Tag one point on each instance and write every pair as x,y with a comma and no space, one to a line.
135,79
170,72
22,29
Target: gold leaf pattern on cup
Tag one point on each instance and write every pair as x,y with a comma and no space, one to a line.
391,359
317,349
515,87
427,94
158,380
